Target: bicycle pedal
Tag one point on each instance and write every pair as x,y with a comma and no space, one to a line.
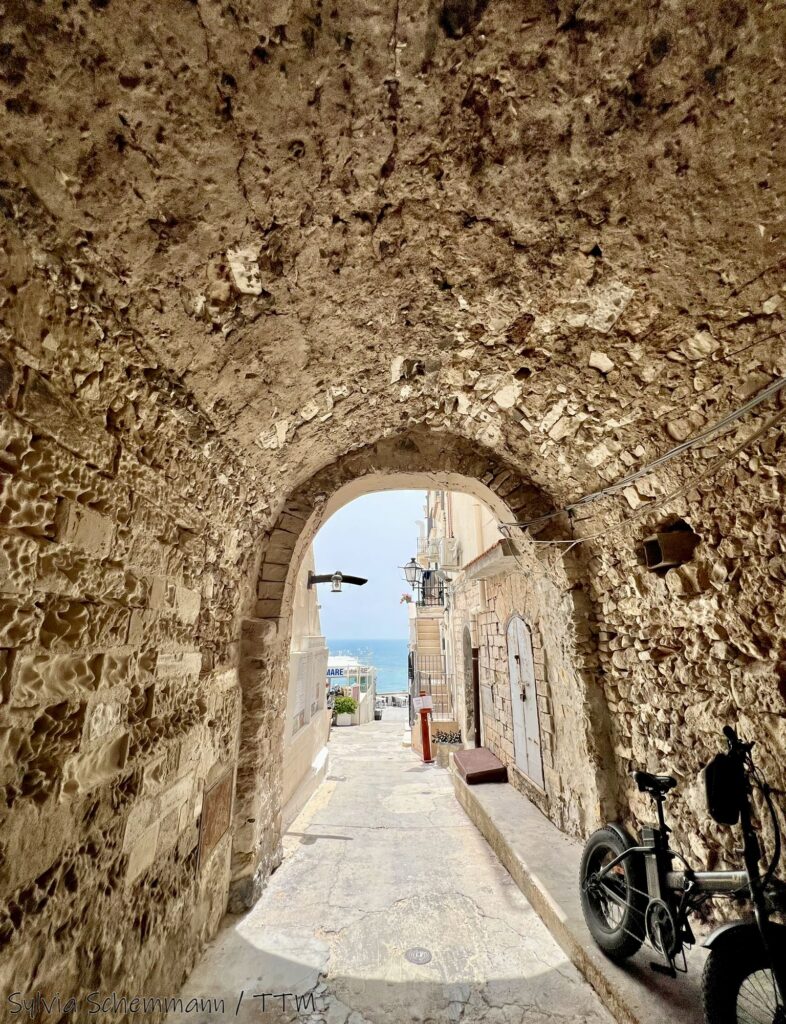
663,969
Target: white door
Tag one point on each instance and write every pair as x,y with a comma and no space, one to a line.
524,702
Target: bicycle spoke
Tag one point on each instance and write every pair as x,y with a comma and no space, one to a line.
756,1002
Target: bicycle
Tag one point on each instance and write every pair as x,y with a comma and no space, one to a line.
631,894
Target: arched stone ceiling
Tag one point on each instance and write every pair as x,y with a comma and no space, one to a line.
491,190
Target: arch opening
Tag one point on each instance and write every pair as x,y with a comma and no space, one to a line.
509,576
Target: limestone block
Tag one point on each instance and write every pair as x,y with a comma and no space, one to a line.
15,440
270,591
18,558
85,771
84,529
142,853
187,604
23,506
267,609
59,472
274,573
179,665
177,794
140,817
161,594
169,829
154,774
58,416
103,719
145,552
41,678
142,627
120,667
19,624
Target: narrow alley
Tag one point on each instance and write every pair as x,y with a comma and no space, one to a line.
384,862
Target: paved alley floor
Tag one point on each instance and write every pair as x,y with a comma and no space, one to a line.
383,862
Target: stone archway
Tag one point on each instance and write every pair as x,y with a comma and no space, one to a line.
417,459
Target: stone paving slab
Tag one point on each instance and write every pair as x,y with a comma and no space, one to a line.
544,863
383,860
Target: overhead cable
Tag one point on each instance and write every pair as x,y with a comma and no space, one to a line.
769,392
667,499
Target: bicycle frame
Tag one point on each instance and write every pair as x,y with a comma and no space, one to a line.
683,890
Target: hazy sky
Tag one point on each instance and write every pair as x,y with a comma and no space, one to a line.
371,537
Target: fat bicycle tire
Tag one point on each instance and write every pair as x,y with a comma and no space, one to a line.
616,926
736,986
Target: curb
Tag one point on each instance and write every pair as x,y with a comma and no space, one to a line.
544,863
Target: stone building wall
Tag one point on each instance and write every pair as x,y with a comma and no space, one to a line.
639,667
124,527
579,786
685,652
253,252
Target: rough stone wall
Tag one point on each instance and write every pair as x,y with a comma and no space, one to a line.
124,526
580,790
249,240
684,652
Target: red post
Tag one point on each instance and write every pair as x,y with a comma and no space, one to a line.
425,733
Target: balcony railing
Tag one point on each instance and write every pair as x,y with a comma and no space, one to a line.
430,592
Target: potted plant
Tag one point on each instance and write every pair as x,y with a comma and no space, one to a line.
344,708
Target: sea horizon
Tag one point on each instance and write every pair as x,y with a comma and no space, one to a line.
387,654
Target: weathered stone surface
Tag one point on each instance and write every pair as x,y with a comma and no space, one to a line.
251,256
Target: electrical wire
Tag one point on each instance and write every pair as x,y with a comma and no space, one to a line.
653,506
769,392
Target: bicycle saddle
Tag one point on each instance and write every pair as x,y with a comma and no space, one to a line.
658,785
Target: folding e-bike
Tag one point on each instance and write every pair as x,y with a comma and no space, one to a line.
632,894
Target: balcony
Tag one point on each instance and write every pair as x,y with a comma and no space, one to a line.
430,592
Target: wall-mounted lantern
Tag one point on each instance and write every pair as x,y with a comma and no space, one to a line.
413,573
335,579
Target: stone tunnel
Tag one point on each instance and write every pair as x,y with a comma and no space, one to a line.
258,257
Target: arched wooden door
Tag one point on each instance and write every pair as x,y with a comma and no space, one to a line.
524,701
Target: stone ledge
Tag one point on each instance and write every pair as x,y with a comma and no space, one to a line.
544,863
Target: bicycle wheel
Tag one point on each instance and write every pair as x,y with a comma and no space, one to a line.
614,906
737,986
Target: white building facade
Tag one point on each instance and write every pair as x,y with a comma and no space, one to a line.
483,640
307,724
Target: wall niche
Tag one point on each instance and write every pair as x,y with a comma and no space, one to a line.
671,545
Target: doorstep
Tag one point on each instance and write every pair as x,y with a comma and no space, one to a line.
544,863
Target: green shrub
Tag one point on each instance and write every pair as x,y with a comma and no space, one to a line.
345,705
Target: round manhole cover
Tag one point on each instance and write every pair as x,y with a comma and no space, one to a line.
418,955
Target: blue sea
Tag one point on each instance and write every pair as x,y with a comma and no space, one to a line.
389,657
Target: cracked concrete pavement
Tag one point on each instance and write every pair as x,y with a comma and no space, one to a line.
383,859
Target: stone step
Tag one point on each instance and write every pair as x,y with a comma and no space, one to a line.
544,863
